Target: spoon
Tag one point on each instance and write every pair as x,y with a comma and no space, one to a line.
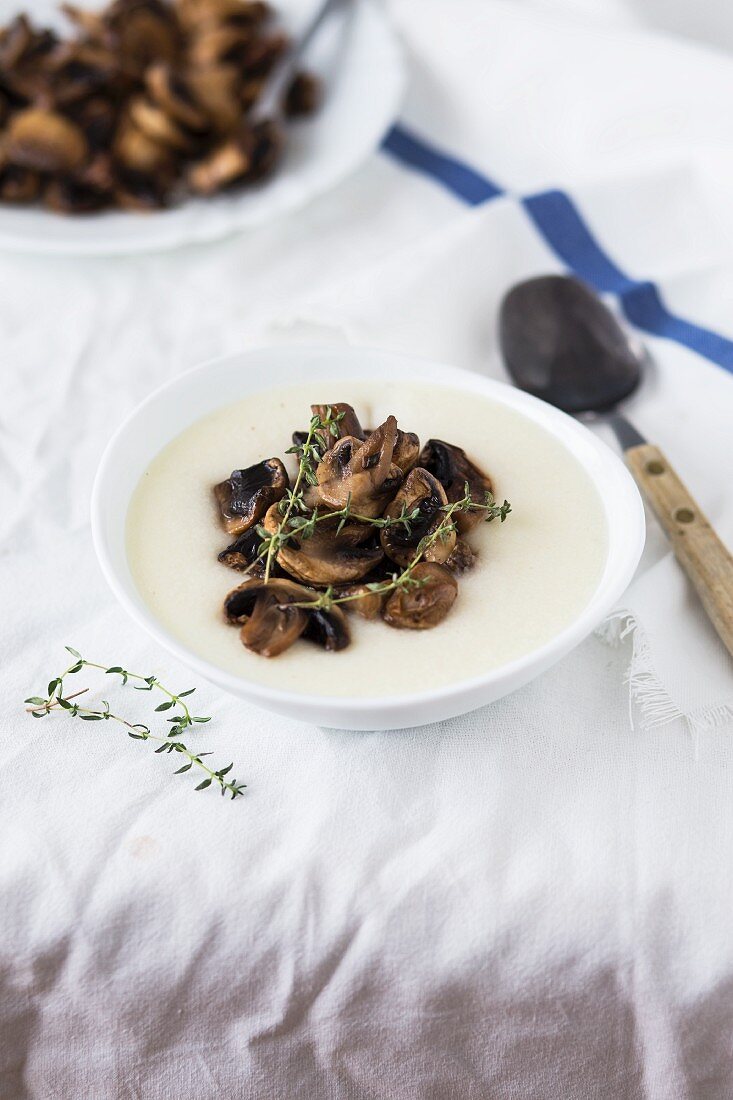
269,105
561,343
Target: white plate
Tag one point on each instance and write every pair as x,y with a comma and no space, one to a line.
356,55
192,395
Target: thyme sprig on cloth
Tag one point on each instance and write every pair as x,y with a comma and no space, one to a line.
59,699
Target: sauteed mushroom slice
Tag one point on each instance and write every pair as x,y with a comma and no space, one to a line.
198,13
215,88
361,473
19,185
171,91
134,190
73,196
461,559
157,125
303,96
135,150
268,142
327,628
327,557
45,141
241,553
348,424
367,605
245,496
452,467
421,499
225,165
143,31
425,604
270,623
406,450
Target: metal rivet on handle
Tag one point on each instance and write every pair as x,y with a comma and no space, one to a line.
655,467
684,515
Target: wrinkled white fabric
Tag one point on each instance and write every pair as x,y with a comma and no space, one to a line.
531,901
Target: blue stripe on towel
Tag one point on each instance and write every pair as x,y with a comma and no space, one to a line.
561,224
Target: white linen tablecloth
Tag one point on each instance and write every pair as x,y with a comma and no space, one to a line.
532,901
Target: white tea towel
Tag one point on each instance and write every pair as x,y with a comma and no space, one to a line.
533,900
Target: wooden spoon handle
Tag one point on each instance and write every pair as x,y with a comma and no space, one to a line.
705,559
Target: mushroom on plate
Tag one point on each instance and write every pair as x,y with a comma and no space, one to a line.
453,469
245,496
361,474
270,620
425,604
45,141
421,500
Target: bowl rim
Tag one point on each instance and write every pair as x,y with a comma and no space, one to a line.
622,554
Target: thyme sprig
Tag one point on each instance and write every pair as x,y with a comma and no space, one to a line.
58,699
405,580
309,454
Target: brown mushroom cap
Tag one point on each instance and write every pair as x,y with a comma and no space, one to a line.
135,150
245,496
143,31
453,469
328,556
424,605
225,165
214,87
368,604
461,559
303,96
361,473
328,629
19,184
346,422
170,90
75,196
45,141
271,622
423,497
157,125
406,450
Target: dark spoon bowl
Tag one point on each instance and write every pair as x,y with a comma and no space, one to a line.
561,343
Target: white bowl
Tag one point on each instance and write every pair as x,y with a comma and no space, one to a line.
175,406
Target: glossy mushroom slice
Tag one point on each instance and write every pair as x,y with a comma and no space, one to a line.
270,622
226,164
170,90
362,600
328,556
425,604
243,553
328,629
19,185
245,497
406,450
462,558
421,501
72,196
346,422
45,141
361,473
453,469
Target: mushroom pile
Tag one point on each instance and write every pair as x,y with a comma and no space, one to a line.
372,525
145,102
